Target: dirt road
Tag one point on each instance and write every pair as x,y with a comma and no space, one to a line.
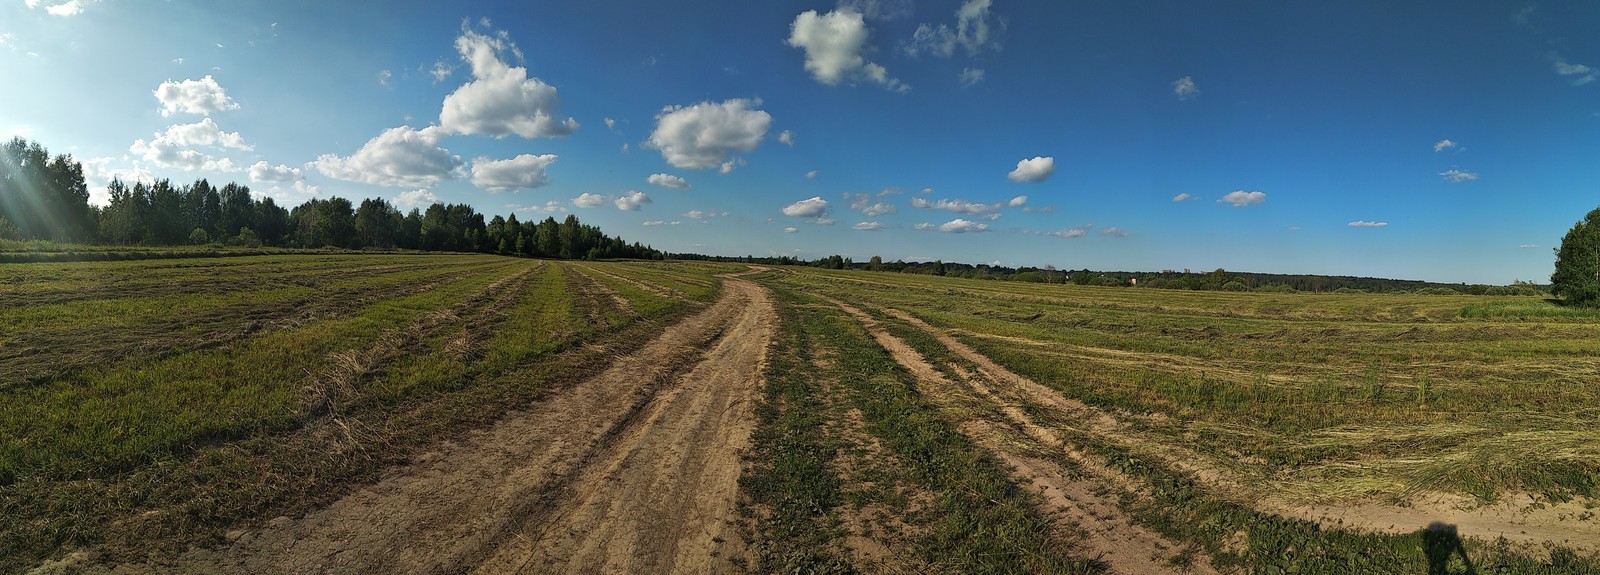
633,471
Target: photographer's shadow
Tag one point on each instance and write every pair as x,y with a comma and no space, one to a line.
1442,544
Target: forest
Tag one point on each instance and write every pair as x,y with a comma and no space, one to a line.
44,197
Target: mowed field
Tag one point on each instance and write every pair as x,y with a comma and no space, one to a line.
452,413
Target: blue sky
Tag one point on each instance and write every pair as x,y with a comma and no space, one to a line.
1446,141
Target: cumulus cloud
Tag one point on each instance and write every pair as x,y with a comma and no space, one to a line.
174,147
1035,169
1184,197
1579,73
811,175
970,76
204,96
786,137
398,157
960,226
867,204
611,124
631,201
1366,224
549,207
501,99
588,200
972,32
263,172
1184,88
668,181
868,226
834,43
416,199
1241,198
68,8
703,135
1069,233
1443,145
1457,176
526,171
728,166
926,227
965,207
813,207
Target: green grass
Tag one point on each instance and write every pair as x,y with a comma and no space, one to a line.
979,521
306,374
1289,393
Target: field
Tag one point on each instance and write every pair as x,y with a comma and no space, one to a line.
208,414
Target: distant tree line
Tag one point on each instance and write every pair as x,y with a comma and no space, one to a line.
46,198
1215,280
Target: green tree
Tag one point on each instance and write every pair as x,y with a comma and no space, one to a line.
199,237
1577,275
377,224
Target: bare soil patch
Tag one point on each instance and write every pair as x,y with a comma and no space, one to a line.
633,470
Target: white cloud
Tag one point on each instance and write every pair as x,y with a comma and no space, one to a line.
730,165
960,226
960,206
704,134
56,8
1579,73
440,71
174,147
1456,176
926,227
1527,246
668,181
1017,201
549,207
970,76
416,199
204,96
866,205
263,172
811,175
1443,145
833,43
397,157
868,226
98,173
501,99
1069,233
656,222
1115,232
1043,210
1184,197
297,193
1035,169
786,137
526,171
1184,88
631,201
1241,198
588,200
1366,224
814,207
790,230
971,32
383,77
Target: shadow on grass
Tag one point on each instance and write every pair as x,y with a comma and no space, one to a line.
1442,545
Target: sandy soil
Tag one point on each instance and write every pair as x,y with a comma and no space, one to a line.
1084,503
633,471
1517,518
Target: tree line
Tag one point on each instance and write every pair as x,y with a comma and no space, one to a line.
46,198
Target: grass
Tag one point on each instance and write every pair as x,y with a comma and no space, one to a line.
285,382
1313,398
977,522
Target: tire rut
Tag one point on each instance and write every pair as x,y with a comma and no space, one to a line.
1074,504
645,456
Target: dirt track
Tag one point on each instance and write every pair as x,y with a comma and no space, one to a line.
633,471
